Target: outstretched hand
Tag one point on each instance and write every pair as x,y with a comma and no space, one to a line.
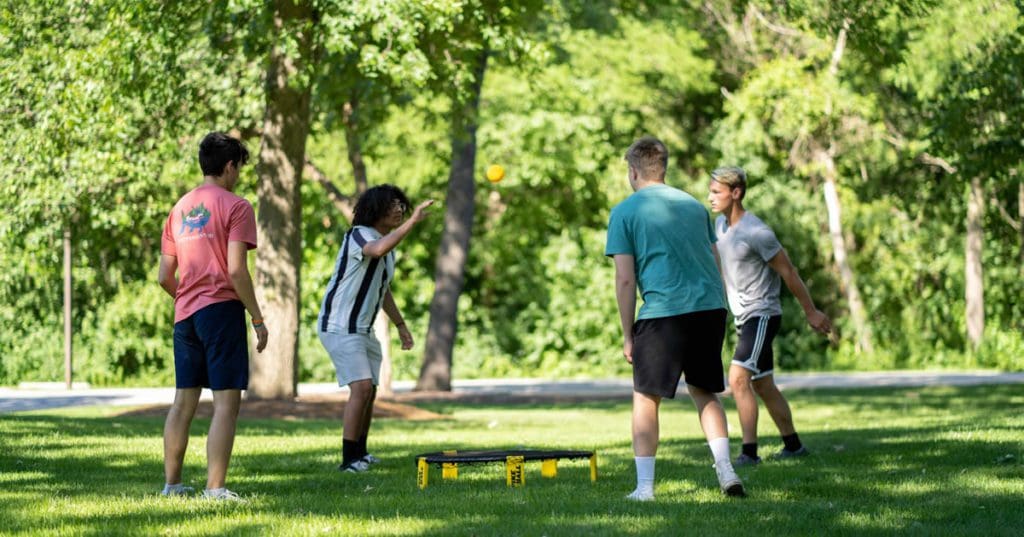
421,212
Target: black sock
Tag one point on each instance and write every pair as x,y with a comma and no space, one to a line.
792,442
349,451
362,446
750,450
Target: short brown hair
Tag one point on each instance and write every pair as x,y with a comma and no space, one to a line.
732,177
649,157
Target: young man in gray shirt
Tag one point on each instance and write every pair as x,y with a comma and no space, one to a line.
752,262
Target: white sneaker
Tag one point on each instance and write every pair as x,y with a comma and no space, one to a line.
728,481
222,494
641,495
177,490
370,459
354,467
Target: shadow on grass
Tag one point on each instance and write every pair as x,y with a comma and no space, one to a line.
871,479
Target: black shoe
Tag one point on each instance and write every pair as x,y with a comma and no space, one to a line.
787,454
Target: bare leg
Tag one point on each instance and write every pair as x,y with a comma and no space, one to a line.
360,394
221,438
712,415
746,401
645,424
368,411
179,418
776,404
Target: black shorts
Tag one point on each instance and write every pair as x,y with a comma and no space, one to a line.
211,349
668,347
754,345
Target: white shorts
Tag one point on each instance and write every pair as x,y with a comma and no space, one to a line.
355,356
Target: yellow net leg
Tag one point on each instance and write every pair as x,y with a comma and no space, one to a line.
549,468
593,467
514,475
450,470
422,472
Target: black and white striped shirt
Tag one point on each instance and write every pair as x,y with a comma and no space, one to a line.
356,290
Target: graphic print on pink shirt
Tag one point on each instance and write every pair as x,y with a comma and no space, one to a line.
197,233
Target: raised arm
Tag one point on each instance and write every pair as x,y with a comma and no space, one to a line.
815,317
383,245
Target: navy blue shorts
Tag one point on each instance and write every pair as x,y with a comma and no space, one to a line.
666,348
211,349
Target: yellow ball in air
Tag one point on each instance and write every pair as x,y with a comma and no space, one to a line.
495,173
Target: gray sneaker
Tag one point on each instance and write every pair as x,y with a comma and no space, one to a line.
787,454
746,460
728,481
222,495
179,490
355,467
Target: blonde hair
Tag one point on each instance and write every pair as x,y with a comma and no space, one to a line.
732,177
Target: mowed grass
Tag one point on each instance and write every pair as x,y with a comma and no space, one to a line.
928,461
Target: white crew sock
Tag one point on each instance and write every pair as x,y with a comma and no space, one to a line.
719,449
644,474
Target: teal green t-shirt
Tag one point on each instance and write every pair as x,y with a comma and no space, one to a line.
669,234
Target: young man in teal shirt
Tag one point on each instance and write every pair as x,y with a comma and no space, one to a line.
662,241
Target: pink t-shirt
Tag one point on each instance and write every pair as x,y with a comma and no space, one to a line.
197,233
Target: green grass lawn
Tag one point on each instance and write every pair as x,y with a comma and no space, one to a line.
921,461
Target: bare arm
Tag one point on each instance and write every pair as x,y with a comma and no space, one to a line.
167,277
383,245
391,309
625,296
238,271
815,317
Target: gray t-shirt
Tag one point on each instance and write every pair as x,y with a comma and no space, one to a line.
750,283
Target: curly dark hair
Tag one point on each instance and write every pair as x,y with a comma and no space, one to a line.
376,203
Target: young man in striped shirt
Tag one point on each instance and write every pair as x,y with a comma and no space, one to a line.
752,262
358,289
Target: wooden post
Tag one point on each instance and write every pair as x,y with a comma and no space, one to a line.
67,307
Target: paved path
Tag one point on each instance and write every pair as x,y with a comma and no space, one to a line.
46,396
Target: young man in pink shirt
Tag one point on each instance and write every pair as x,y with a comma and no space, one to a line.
204,266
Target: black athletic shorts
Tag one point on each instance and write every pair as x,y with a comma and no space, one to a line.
668,347
754,345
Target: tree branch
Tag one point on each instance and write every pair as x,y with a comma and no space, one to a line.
782,30
1013,222
837,54
936,161
344,204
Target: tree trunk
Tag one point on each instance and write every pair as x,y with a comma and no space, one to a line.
835,232
974,284
450,269
354,143
274,372
1020,227
68,332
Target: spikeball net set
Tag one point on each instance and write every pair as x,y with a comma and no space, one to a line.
514,459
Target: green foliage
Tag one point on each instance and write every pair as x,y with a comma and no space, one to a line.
102,105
